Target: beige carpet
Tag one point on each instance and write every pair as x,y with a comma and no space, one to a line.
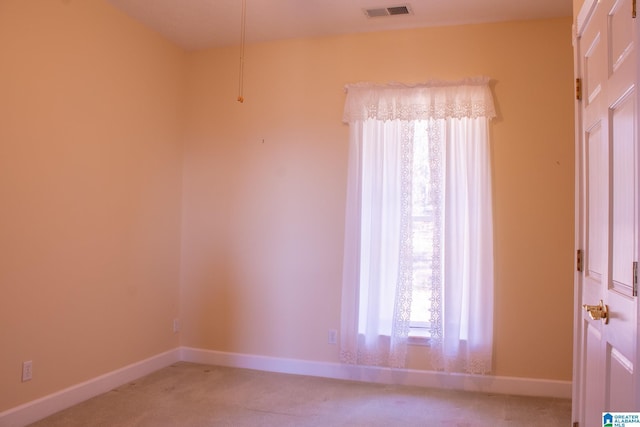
187,394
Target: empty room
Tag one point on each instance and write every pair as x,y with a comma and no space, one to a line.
376,194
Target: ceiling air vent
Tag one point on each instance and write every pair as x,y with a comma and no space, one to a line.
387,11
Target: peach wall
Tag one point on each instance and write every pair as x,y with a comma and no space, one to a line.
264,187
92,183
90,173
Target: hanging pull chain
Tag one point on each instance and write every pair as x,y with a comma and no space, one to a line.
243,25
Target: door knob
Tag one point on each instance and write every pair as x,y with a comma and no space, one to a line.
598,312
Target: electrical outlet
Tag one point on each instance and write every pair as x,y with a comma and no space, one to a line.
27,370
176,326
332,336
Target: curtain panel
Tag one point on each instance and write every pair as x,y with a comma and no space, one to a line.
389,125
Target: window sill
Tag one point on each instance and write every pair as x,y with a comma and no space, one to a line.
419,340
419,334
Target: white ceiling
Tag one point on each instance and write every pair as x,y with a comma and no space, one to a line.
200,24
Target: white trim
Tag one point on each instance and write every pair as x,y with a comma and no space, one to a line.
477,383
584,15
40,408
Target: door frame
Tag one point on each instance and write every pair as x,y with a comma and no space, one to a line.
576,407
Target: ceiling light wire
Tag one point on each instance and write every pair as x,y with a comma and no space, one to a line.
243,31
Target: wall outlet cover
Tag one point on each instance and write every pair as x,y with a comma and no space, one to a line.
27,370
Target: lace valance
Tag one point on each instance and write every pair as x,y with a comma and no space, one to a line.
435,99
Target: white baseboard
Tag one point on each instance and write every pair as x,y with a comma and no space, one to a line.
37,409
477,383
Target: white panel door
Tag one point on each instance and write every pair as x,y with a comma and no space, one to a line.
606,353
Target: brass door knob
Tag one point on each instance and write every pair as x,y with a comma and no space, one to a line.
598,312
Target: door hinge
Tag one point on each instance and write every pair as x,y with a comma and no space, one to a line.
578,89
579,260
633,9
635,278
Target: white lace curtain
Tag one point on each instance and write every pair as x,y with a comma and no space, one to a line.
419,151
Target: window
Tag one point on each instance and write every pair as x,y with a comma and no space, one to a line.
419,236
423,228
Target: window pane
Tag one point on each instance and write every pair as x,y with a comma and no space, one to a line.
422,227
